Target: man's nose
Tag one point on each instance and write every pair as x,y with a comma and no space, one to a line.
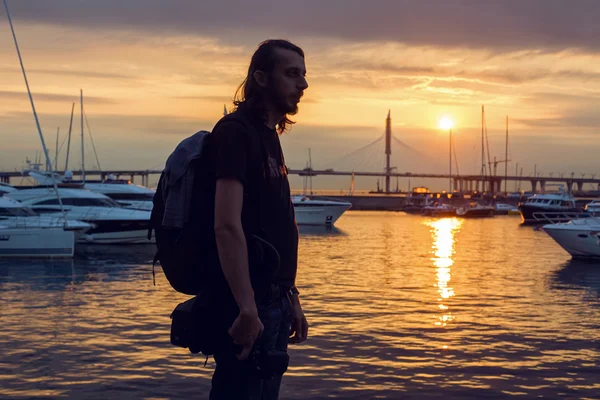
303,84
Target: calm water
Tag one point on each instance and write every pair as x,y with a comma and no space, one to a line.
400,307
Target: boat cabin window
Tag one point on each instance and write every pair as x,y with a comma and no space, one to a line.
16,212
131,196
80,202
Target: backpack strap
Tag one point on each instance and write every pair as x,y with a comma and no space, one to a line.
156,256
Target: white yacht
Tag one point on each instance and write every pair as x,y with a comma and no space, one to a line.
6,188
17,215
122,191
36,242
550,207
24,233
125,193
318,212
111,223
579,237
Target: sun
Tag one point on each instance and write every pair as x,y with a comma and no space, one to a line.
446,123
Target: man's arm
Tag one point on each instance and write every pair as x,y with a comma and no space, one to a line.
233,255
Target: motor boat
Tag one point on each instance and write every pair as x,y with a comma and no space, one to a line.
6,188
505,209
579,237
311,211
475,211
439,210
122,191
24,233
551,207
15,214
415,203
111,223
125,193
593,207
36,242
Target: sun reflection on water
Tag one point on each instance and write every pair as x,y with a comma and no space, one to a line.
443,231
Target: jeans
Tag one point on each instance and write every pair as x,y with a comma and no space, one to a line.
236,380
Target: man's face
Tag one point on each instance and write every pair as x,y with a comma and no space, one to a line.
287,82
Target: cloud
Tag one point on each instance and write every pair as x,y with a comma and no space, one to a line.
219,99
507,24
569,122
583,98
70,72
52,97
118,125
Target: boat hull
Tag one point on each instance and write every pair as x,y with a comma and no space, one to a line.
413,209
35,243
318,214
137,205
109,225
531,214
476,213
117,232
438,212
579,243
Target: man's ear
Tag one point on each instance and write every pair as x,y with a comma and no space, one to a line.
261,78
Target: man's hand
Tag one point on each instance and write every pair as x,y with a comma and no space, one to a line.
246,328
299,331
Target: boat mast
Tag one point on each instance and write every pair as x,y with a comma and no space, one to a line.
482,152
37,122
450,162
506,160
56,151
69,139
310,172
82,149
35,116
87,124
489,158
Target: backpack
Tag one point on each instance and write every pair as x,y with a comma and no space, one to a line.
185,243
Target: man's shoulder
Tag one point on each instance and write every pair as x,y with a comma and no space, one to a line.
237,120
229,123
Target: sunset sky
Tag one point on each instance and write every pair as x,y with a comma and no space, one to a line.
154,72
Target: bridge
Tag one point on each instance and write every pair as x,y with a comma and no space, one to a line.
463,183
372,153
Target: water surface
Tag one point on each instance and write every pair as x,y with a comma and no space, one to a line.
400,307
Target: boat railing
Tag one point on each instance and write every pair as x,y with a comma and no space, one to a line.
555,217
35,222
104,212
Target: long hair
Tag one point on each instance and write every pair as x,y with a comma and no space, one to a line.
249,94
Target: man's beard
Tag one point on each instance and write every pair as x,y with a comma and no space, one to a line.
280,103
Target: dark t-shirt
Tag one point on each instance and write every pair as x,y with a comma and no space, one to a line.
257,162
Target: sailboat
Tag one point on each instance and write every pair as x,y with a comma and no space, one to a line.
474,209
25,233
112,223
124,192
18,238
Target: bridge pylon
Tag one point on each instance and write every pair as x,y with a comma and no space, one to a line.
388,150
